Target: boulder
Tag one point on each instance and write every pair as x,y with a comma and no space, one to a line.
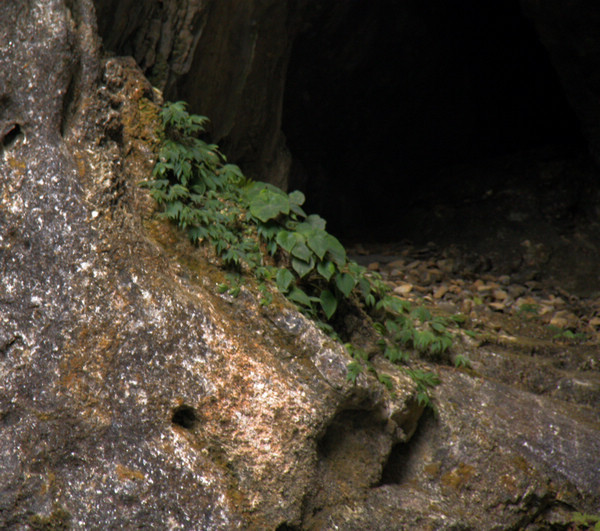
134,395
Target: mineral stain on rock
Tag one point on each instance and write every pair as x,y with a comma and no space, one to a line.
135,396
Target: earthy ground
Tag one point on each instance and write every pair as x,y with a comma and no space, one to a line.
515,248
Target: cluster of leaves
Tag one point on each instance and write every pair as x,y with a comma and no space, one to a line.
260,228
588,521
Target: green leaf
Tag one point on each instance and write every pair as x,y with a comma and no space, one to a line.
386,380
297,295
284,280
288,240
297,210
459,318
395,355
422,313
174,209
354,369
462,361
268,205
345,283
317,241
302,267
232,173
336,250
438,327
328,302
301,251
197,233
316,221
222,288
326,269
297,198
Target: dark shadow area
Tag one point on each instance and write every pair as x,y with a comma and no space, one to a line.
11,136
184,416
385,99
398,467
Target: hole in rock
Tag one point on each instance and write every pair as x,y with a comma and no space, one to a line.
184,416
350,454
11,136
286,527
404,459
439,121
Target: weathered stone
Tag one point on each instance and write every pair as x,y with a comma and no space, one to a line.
133,395
488,460
226,59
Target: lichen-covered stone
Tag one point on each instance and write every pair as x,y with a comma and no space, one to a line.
133,395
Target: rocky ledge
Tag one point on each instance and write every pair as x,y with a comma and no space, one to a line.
135,396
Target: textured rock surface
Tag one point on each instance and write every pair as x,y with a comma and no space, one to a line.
491,459
226,58
133,395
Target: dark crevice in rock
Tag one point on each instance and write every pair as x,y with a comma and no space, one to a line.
7,345
9,417
350,455
397,464
185,416
287,527
11,136
69,106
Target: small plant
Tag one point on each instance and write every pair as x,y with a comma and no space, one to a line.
530,310
255,227
461,361
588,521
560,333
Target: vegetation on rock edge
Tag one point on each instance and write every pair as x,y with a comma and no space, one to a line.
256,228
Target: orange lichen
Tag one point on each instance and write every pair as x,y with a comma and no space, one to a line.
128,474
458,477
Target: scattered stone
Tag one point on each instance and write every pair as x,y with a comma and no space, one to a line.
395,264
500,295
403,289
440,292
564,319
595,322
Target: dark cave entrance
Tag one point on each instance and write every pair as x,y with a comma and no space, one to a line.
393,108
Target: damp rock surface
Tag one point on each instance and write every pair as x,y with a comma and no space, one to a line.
133,395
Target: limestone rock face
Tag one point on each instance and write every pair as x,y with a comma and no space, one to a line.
133,395
226,58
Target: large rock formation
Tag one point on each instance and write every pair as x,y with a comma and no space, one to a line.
225,58
443,81
134,395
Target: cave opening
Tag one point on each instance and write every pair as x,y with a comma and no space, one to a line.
400,113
